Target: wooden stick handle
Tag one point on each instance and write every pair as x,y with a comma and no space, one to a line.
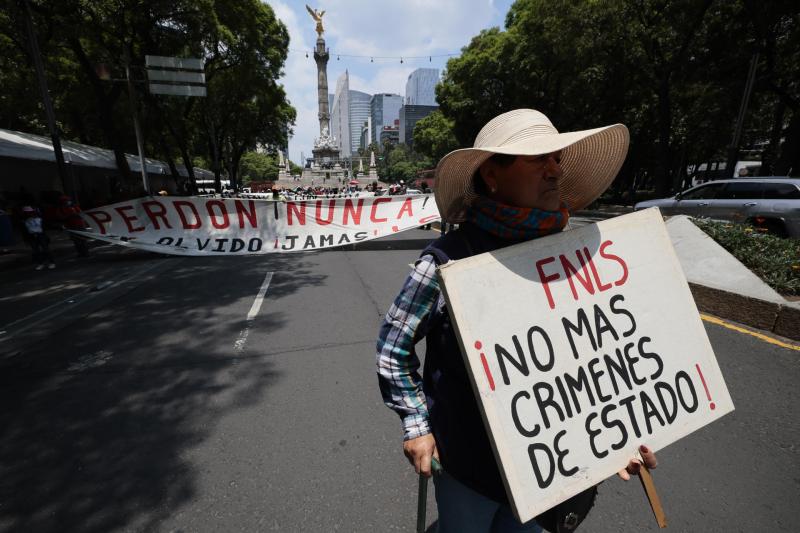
655,502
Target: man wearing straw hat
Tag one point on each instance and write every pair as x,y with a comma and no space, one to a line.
519,181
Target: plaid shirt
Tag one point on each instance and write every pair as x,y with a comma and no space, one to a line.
403,326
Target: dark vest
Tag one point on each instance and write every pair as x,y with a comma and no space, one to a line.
461,438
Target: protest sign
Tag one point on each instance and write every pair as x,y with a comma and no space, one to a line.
234,226
580,347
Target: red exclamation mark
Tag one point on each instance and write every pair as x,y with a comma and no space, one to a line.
488,372
708,395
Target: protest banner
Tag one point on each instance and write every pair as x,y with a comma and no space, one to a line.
581,347
236,226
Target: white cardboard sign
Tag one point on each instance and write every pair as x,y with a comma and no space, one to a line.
582,346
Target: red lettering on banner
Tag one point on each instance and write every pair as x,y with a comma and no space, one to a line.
179,205
154,211
616,258
405,207
571,271
242,212
100,218
291,209
546,279
350,212
373,212
128,219
318,213
223,213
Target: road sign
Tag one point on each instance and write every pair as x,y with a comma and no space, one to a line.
176,76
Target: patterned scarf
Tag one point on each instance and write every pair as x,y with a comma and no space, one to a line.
516,223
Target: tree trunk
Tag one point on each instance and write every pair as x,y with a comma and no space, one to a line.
788,164
105,108
769,156
664,154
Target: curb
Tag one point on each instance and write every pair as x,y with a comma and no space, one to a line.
600,214
775,317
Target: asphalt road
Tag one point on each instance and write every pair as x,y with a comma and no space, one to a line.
152,403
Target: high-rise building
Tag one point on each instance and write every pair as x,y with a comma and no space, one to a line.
349,113
384,108
421,87
409,116
359,114
340,114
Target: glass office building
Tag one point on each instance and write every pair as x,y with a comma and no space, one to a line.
359,115
409,116
421,87
349,112
384,109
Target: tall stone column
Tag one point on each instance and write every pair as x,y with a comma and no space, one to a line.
321,57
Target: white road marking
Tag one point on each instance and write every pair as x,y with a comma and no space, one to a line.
260,297
238,346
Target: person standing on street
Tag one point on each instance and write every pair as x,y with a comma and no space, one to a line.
519,182
69,214
37,238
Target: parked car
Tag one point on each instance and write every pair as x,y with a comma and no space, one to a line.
770,202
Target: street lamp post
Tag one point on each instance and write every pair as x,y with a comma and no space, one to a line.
137,129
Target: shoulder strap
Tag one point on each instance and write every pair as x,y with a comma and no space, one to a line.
438,254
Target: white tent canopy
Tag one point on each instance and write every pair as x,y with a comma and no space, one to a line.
29,146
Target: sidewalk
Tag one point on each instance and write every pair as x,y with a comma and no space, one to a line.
19,253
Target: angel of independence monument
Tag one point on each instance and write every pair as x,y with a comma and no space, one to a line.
326,166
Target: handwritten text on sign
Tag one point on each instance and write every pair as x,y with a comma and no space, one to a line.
200,226
581,347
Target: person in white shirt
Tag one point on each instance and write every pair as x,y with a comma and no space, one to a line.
37,238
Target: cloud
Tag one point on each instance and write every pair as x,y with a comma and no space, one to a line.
377,28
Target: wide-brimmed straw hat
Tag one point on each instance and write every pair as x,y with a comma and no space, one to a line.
590,159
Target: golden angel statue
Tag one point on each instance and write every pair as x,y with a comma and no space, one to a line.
317,15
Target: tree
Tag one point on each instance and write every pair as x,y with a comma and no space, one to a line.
402,163
434,137
258,166
673,72
242,42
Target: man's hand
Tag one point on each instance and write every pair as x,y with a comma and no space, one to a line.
633,467
419,452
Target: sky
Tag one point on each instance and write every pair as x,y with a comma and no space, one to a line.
377,28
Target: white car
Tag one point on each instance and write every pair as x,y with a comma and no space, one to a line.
770,202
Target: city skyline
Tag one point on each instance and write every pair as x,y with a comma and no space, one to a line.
350,28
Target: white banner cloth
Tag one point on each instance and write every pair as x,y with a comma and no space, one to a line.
240,226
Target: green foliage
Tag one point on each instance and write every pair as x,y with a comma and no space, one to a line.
242,42
258,166
434,137
673,72
295,170
402,163
773,259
